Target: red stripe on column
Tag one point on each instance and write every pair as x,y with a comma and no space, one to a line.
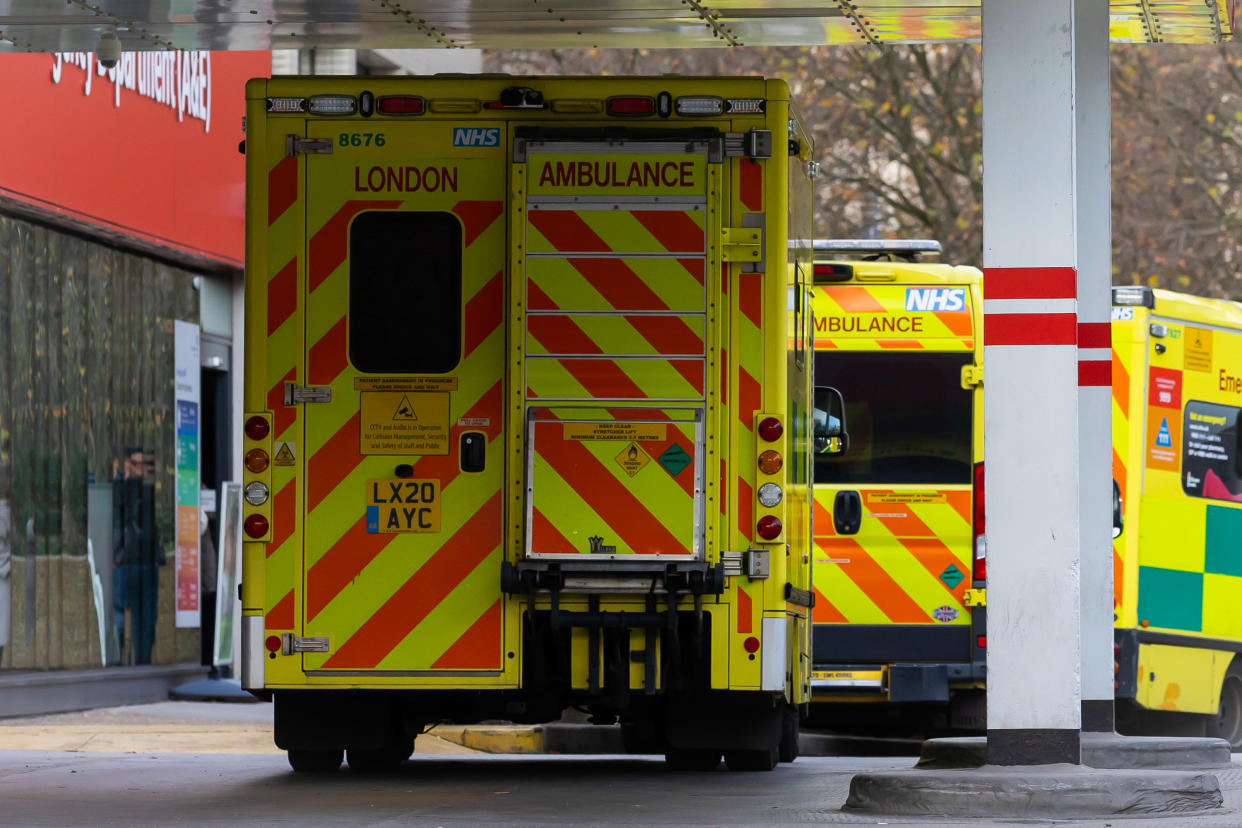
327,359
745,509
476,216
1095,335
478,538
280,617
484,313
478,648
328,246
284,516
1030,283
722,494
283,415
1030,329
674,230
567,232
750,184
282,296
282,188
1095,372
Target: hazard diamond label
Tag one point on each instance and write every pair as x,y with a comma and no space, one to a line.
674,459
952,576
632,459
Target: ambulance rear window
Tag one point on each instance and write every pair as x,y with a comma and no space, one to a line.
908,417
405,292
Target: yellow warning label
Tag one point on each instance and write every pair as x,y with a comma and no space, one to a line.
906,497
405,383
400,505
632,458
285,455
1197,350
399,422
614,431
847,675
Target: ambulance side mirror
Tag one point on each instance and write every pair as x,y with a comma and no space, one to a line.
829,435
1118,520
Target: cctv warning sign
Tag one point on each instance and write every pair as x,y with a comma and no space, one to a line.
400,422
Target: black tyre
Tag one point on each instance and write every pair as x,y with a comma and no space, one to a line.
790,728
315,761
686,759
379,760
752,760
1227,723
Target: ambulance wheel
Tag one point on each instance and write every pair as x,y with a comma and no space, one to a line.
315,761
789,735
692,759
1227,724
752,760
379,760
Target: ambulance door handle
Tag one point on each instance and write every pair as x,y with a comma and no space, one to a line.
472,451
847,512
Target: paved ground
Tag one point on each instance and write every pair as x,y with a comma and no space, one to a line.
155,775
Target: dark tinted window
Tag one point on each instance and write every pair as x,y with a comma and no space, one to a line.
907,416
1210,464
405,292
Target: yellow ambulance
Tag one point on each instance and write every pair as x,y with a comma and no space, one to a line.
1177,523
528,411
899,561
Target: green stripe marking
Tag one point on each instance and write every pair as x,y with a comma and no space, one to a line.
1171,598
1222,541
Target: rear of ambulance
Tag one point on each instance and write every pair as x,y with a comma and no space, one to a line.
900,555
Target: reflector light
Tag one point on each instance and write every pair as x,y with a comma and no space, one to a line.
981,641
770,494
745,106
769,527
700,105
770,429
286,104
751,644
400,105
628,106
272,643
770,461
333,104
256,493
257,460
255,526
257,428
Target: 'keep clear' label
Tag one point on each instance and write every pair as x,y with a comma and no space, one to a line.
404,422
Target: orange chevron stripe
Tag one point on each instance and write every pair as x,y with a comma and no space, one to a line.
334,460
744,611
899,344
823,520
328,247
874,582
478,648
962,502
935,557
959,323
280,617
283,415
282,296
610,499
284,515
750,293
484,312
476,216
546,539
824,612
565,230
282,188
674,230
1121,386
327,359
468,547
1119,473
855,299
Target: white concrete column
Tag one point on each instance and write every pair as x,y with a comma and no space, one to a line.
1031,382
1091,112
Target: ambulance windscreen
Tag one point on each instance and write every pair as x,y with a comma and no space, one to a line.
909,419
405,292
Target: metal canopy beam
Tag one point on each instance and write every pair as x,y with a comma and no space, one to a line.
75,25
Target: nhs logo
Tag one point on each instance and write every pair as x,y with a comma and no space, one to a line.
476,136
935,299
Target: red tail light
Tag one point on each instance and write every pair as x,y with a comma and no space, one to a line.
630,105
255,526
769,527
400,105
980,528
981,641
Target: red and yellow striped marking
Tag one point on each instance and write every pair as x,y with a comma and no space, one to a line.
875,318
